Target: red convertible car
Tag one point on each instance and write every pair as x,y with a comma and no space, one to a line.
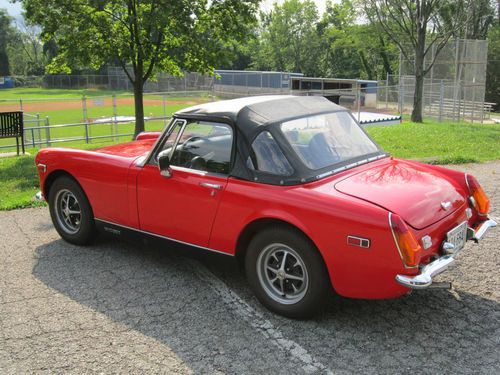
291,186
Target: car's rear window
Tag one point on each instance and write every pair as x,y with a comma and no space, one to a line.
327,139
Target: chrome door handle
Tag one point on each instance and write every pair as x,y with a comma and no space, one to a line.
210,185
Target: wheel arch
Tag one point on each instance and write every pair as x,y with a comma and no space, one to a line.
257,225
53,176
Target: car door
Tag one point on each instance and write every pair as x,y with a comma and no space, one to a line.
183,206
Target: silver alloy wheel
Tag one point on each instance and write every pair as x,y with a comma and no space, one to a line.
68,211
282,273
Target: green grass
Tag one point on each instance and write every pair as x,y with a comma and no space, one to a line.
19,178
18,182
432,142
41,93
440,143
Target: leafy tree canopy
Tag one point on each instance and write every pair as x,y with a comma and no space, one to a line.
143,36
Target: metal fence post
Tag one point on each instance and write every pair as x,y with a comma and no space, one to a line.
86,133
39,130
387,92
164,110
84,107
47,131
115,123
85,117
33,137
402,94
441,98
359,101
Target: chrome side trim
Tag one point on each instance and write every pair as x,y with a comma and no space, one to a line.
424,279
42,167
483,228
467,183
164,237
350,166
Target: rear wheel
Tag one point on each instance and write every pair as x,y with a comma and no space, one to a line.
286,272
71,212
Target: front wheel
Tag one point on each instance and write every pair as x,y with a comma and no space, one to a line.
71,212
286,272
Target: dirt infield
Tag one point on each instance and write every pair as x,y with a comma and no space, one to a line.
54,105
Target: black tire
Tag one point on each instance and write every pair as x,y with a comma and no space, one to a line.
260,255
78,229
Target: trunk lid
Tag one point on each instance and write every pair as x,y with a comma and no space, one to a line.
421,196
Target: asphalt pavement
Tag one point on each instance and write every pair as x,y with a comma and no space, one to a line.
118,307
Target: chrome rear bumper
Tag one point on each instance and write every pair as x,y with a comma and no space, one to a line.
424,278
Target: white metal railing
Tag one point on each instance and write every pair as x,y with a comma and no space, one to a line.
42,135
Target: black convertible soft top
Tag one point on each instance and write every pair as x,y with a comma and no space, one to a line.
251,112
251,115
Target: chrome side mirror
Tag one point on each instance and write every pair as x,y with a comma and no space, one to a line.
164,166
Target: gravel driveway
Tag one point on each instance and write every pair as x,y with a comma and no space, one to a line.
117,307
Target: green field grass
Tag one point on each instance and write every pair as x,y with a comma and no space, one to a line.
41,93
432,142
70,110
440,143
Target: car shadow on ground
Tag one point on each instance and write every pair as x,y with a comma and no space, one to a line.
157,293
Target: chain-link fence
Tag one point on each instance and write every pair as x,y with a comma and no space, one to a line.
454,87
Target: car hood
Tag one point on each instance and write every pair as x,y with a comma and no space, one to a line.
129,149
414,192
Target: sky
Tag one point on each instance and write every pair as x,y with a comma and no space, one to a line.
15,9
267,5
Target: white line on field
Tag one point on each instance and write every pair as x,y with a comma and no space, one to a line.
309,364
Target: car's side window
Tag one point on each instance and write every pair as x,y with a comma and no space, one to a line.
204,146
266,156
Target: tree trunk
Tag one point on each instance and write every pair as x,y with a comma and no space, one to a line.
366,64
385,58
416,114
139,105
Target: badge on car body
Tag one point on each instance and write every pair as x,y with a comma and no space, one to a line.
426,242
445,205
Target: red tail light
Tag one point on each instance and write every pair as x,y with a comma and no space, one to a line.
407,244
481,201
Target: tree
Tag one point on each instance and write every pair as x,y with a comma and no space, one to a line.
25,50
6,32
493,69
481,15
288,38
416,26
351,49
143,36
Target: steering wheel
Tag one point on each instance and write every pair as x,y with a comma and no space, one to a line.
193,139
185,144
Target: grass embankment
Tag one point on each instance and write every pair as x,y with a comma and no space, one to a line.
441,143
